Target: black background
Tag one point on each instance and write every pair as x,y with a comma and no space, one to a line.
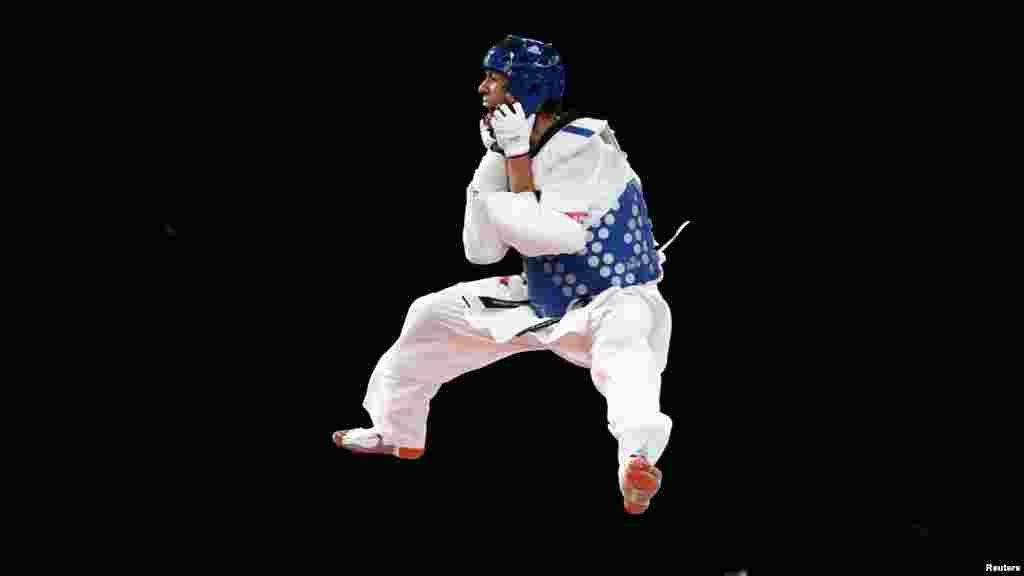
314,170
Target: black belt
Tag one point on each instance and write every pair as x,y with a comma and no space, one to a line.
489,302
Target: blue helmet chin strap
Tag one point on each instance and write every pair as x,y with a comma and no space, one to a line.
534,69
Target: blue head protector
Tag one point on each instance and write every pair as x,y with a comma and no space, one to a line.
534,69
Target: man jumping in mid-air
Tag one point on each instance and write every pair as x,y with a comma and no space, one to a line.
558,189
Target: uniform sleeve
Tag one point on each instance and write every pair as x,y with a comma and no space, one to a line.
577,181
480,238
519,221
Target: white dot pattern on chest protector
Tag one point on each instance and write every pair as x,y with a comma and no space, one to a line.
602,262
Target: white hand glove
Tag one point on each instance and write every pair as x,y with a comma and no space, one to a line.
512,129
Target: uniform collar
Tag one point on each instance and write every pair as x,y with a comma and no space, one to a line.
563,121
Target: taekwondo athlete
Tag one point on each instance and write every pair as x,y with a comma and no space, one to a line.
558,189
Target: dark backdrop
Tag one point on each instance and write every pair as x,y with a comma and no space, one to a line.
316,177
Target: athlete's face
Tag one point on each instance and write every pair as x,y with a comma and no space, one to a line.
492,89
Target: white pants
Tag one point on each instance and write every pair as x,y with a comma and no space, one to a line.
437,345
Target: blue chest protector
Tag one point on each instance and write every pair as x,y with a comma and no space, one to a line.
619,252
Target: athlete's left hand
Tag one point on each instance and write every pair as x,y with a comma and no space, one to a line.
512,129
485,133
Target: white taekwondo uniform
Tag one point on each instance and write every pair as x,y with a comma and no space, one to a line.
590,254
